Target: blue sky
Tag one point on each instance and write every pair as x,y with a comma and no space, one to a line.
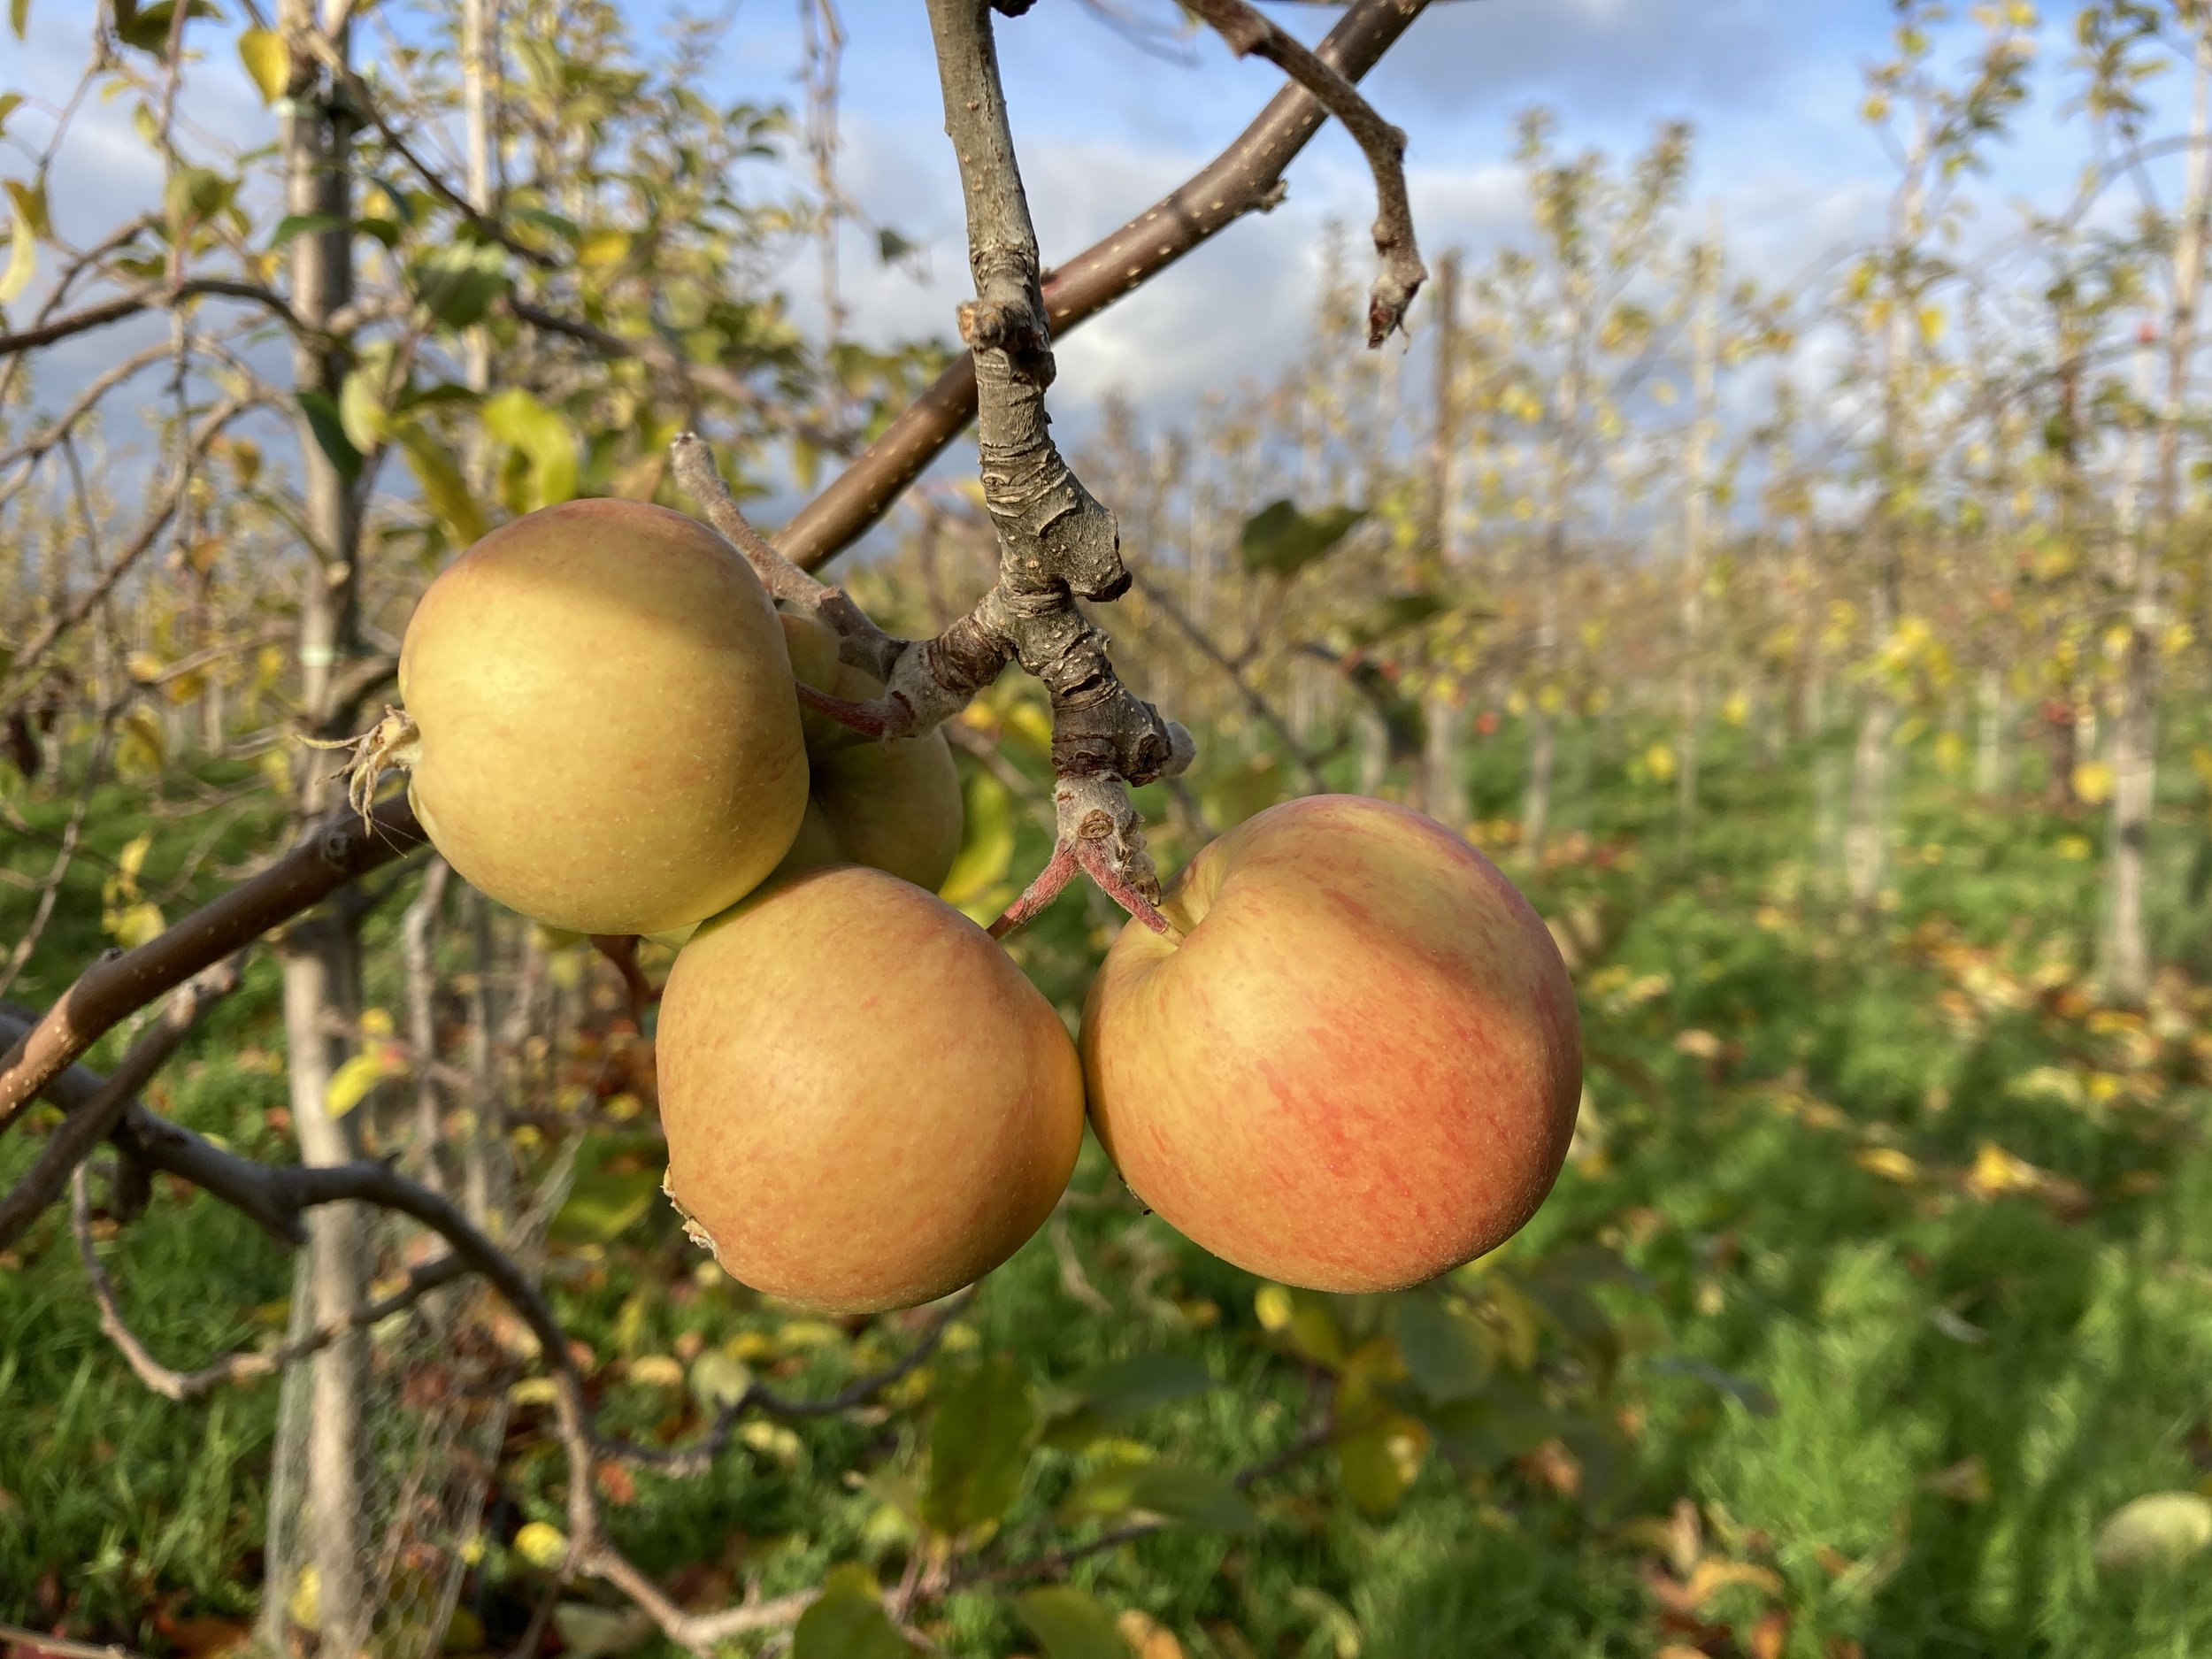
1772,87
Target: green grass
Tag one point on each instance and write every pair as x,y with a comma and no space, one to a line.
1910,1401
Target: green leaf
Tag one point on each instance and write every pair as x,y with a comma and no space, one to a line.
303,225
1069,1623
196,194
443,487
329,429
516,418
849,1622
262,51
601,1632
10,101
1447,1351
978,1448
891,247
604,1204
148,30
1245,791
350,1083
361,407
1369,1468
1196,1497
1108,1396
2161,1529
1281,540
459,285
986,850
20,17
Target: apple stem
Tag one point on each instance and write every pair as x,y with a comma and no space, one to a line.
1099,865
1058,873
884,717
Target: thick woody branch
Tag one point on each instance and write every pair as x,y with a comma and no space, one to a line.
340,850
84,1128
1249,34
1245,178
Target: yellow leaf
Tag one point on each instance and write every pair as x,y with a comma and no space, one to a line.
533,1391
2075,848
1273,1307
2093,781
604,248
656,1371
1888,1162
1659,759
541,1545
141,746
350,1084
141,924
23,250
1996,1170
376,1022
143,667
262,51
132,859
1147,1636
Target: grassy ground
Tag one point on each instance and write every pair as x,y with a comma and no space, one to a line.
1917,1242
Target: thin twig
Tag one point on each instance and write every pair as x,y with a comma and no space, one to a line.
1250,34
1245,178
82,1130
247,1365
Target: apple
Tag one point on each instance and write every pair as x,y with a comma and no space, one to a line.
893,805
608,732
867,1104
1358,1066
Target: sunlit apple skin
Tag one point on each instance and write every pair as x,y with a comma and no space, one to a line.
867,1105
893,805
609,734
1360,1066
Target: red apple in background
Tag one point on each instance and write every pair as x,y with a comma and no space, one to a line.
867,1105
1359,1067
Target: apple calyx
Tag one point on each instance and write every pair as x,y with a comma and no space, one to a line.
392,744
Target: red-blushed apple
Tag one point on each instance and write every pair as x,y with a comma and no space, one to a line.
1359,1065
867,1104
894,805
607,730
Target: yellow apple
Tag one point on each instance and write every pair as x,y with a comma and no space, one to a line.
609,737
894,805
867,1105
1359,1064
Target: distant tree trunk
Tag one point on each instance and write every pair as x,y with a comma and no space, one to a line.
321,953
1443,784
1696,504
2135,750
1993,737
1543,753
